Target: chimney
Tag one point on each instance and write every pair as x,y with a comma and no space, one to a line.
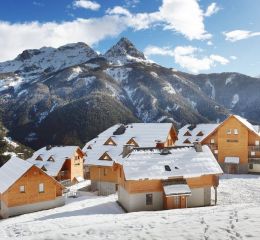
127,148
197,146
48,147
159,145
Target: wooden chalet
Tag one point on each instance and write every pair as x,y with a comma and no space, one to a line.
26,188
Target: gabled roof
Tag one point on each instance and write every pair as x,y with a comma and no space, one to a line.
245,122
144,134
58,154
183,161
11,171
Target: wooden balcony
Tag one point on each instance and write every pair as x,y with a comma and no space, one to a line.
254,160
254,148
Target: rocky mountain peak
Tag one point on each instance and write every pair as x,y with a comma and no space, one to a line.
48,58
124,51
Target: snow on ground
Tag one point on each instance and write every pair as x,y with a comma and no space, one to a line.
237,216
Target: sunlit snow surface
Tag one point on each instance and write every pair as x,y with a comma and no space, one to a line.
237,216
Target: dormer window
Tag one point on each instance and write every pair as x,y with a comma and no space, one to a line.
106,157
132,142
187,141
110,141
187,134
39,158
51,159
200,134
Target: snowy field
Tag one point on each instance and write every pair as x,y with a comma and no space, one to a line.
237,216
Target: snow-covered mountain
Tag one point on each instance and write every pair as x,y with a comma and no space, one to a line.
68,95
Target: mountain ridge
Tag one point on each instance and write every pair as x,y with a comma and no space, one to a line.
35,95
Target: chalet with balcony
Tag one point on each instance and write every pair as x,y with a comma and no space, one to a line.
108,149
234,142
64,163
169,178
26,188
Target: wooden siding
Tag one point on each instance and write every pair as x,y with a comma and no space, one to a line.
233,145
31,180
105,174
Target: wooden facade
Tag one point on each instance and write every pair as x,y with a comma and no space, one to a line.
34,187
144,186
233,138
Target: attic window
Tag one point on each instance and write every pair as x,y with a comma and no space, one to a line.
39,158
110,141
51,159
200,134
187,141
167,168
132,142
187,134
106,157
89,147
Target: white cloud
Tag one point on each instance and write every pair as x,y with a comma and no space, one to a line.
185,17
86,4
187,57
181,16
237,35
233,57
209,43
17,37
213,8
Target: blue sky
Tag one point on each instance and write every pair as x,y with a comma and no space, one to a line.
189,35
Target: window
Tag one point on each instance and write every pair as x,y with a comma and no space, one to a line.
212,141
251,166
252,153
22,189
167,168
232,140
235,131
216,151
229,131
105,172
41,188
257,142
149,199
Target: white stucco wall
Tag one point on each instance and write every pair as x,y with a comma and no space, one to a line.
256,168
103,188
18,210
137,201
199,197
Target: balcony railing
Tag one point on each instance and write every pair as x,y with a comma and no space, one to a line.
254,148
254,160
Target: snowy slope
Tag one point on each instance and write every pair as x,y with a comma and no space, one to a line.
237,216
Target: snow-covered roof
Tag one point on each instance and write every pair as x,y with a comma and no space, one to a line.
194,133
253,128
144,134
56,156
176,189
11,171
234,160
182,161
